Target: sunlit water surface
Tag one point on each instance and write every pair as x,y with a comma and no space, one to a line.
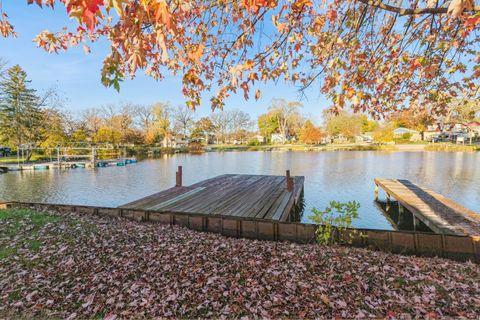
342,176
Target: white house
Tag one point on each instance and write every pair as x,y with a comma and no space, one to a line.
399,132
260,138
277,138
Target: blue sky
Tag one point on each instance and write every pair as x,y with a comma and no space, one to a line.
77,75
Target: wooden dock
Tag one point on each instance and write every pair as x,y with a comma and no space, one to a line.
68,164
440,214
249,196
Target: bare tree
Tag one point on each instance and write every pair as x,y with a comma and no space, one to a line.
144,117
183,118
240,121
221,121
92,119
286,113
124,119
108,114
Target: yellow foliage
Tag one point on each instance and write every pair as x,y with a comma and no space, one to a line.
383,134
150,137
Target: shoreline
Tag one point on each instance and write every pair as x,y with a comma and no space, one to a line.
142,151
351,147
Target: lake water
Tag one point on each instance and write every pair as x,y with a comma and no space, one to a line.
342,176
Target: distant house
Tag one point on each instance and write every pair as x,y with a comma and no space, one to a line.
277,138
5,151
260,138
452,131
366,137
473,130
340,138
473,127
170,142
432,133
401,131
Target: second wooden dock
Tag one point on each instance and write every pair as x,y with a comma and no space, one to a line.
252,196
440,214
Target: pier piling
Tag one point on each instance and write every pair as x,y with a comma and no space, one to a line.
289,181
179,177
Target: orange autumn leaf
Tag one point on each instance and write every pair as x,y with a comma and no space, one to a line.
195,55
372,53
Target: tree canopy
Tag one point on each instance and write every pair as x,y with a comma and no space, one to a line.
373,56
19,108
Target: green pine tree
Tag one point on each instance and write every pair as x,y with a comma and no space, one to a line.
20,114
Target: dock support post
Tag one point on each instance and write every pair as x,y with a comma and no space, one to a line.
376,192
401,214
388,202
179,177
94,151
416,222
289,182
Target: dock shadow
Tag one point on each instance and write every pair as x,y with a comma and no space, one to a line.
298,210
404,222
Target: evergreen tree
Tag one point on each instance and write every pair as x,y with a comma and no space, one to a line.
20,114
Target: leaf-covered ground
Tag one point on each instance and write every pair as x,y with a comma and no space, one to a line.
81,266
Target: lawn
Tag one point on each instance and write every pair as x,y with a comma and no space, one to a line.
68,265
14,159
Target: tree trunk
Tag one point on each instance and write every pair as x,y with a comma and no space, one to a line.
29,155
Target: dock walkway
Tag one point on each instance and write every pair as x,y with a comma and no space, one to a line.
252,196
442,215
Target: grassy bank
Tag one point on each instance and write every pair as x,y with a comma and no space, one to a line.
451,147
84,266
14,159
303,147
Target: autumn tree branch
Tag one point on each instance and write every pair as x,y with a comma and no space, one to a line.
405,11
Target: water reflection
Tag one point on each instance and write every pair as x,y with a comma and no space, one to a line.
341,176
400,220
299,210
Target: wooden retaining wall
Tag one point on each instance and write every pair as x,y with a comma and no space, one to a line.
462,248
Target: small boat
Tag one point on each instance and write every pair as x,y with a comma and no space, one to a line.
40,167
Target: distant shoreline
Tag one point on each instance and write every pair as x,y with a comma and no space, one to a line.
142,152
350,147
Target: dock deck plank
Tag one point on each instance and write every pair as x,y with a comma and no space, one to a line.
441,214
259,196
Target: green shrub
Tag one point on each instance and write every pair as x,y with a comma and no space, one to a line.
338,216
406,136
253,142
